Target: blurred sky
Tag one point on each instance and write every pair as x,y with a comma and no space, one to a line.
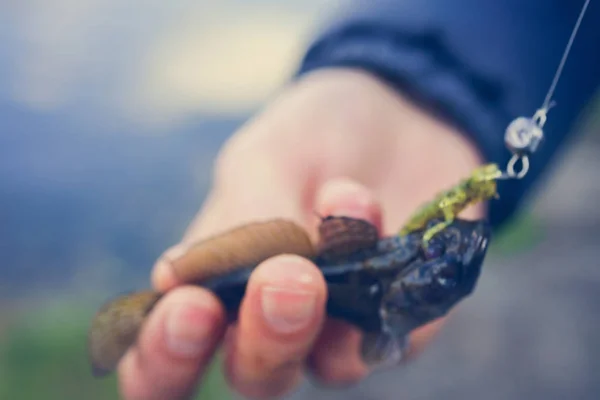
150,61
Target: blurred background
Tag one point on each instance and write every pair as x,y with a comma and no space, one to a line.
111,114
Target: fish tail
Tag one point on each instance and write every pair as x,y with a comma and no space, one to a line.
115,328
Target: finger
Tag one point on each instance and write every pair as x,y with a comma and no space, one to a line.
336,358
174,347
345,197
279,320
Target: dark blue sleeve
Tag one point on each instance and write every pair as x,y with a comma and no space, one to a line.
477,64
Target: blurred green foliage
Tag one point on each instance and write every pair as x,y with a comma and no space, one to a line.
43,356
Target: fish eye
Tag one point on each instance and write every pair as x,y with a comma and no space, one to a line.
434,249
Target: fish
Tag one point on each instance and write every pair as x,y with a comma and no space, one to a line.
385,286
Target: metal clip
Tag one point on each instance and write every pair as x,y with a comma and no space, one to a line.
510,168
523,135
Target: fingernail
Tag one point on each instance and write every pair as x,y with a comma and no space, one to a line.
188,329
288,310
287,302
348,198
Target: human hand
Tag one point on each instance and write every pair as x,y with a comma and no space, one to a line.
339,143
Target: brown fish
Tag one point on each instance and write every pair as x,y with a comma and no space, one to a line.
386,287
117,323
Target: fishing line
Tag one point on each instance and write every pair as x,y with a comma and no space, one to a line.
565,55
523,134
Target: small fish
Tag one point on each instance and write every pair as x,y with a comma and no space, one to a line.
386,286
478,187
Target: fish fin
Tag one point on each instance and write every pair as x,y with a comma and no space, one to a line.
382,349
341,236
